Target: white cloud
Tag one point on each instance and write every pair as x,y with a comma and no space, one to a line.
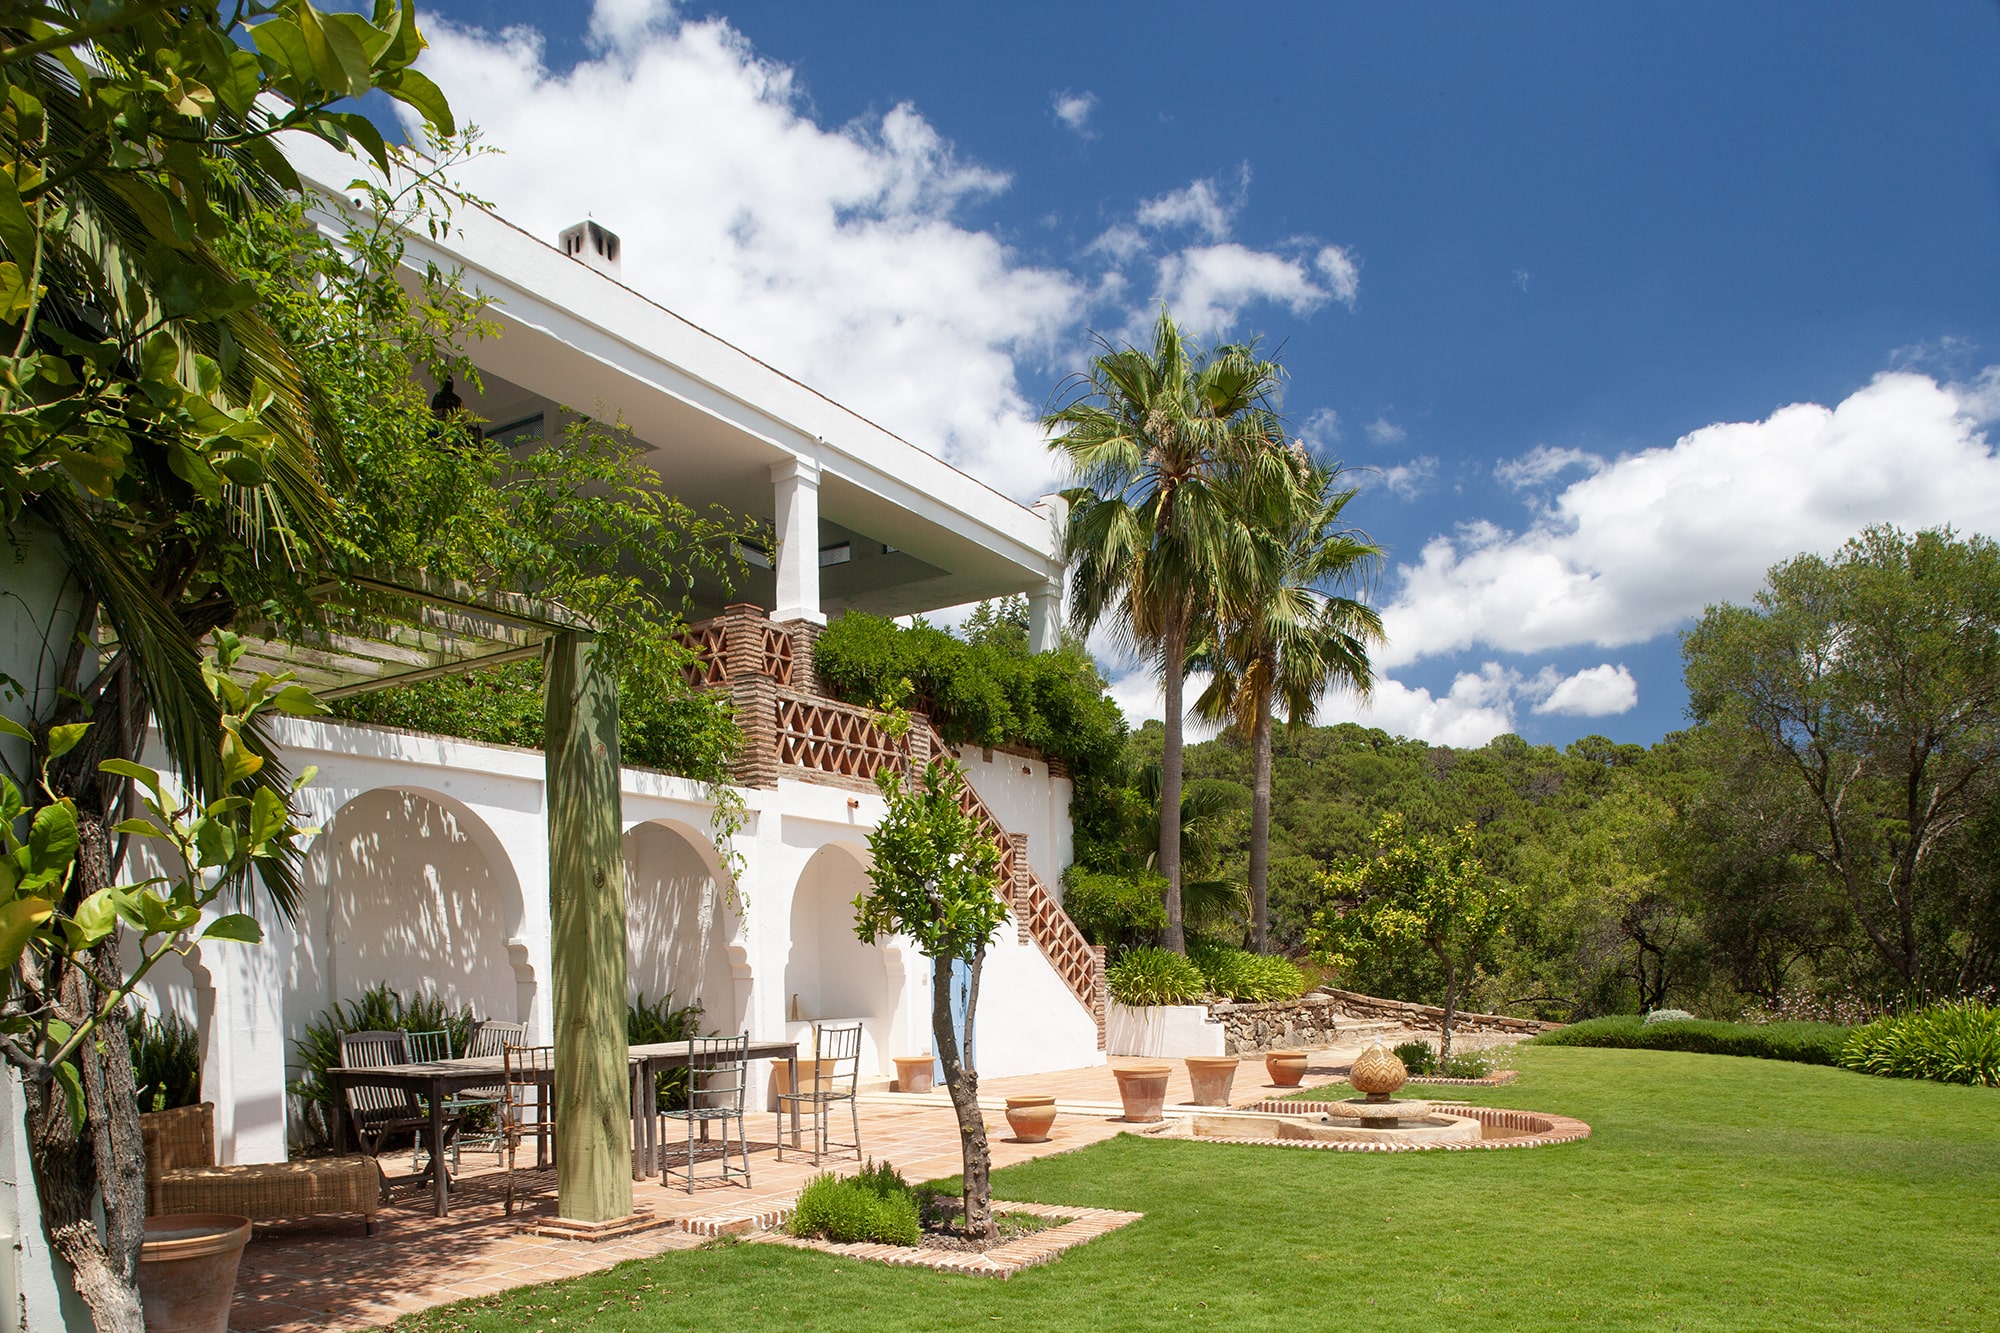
1342,272
1593,692
1199,206
1521,279
1073,110
831,253
1478,707
1208,286
1321,429
1384,431
1542,463
1646,542
1407,481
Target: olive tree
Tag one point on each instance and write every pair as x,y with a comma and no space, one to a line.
935,879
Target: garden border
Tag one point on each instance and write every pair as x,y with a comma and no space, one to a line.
1561,1129
1002,1261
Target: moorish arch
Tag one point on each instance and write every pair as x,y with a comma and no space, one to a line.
830,972
682,928
420,894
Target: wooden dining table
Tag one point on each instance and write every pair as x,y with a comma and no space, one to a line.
436,1081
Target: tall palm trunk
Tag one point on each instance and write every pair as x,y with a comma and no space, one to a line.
1173,658
1260,810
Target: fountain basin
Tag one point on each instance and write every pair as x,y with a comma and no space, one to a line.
1307,1125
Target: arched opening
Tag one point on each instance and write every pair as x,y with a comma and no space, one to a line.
680,927
831,973
421,897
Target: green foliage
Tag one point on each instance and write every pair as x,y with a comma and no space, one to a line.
1419,1057
1468,1064
661,1021
1955,1041
166,1061
1238,974
1803,1043
934,875
377,1009
1668,1016
1116,910
1149,975
874,1206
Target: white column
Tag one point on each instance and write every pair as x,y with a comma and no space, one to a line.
1045,618
241,1007
797,481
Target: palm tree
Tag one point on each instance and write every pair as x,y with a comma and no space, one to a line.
1152,437
1291,634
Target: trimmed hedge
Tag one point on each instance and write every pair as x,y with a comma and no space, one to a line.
874,1206
1957,1041
1802,1043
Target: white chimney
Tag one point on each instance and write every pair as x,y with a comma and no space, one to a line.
593,244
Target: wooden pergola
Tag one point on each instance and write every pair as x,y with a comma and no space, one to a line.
381,630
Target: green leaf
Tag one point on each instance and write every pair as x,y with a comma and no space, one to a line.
424,97
72,1085
139,773
214,842
17,231
339,63
372,40
281,43
268,816
18,922
52,837
237,761
160,360
236,926
96,915
143,828
15,298
298,701
9,727
63,739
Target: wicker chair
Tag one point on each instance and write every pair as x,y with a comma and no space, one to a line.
718,1073
836,1069
182,1176
528,1108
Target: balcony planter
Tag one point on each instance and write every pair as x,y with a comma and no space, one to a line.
1286,1068
1143,1090
1211,1076
915,1073
1030,1118
187,1271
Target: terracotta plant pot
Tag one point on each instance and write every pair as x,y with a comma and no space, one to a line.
915,1073
1211,1076
1030,1118
1143,1090
187,1271
1286,1068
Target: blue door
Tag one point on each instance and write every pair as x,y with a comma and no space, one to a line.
961,992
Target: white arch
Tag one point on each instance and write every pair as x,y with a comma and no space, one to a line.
420,894
830,973
683,936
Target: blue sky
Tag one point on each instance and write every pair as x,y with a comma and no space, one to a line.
1557,274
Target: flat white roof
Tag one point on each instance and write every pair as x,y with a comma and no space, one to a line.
716,418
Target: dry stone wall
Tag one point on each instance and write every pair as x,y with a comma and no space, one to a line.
1427,1017
1326,1017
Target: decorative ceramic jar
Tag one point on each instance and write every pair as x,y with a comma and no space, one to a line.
1285,1068
1211,1076
915,1073
1143,1090
1378,1072
1030,1118
187,1271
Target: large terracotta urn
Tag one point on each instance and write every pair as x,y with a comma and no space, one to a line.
1285,1068
1211,1076
915,1073
187,1271
1143,1090
1030,1118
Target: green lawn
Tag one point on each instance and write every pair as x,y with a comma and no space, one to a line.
1715,1193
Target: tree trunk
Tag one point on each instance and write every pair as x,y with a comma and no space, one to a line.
1450,1008
1260,825
103,1162
963,1086
1173,660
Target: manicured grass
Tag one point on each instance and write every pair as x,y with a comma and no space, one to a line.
1807,1043
1714,1193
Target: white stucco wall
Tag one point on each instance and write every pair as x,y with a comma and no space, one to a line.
1026,798
1166,1030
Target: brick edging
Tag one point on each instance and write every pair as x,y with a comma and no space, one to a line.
1002,1261
1554,1129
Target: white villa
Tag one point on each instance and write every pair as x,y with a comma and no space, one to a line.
431,872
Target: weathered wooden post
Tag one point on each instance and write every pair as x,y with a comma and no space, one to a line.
587,904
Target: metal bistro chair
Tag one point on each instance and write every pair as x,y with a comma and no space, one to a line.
527,1109
718,1075
836,1071
489,1038
381,1113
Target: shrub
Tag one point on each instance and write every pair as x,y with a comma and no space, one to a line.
660,1021
377,1009
166,1061
1804,1043
1117,911
1669,1016
1468,1064
1957,1041
1242,975
1153,976
875,1206
1419,1057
